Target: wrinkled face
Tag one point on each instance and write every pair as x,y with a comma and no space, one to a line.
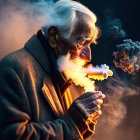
80,39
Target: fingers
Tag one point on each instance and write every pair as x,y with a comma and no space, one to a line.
89,103
92,117
94,105
92,96
93,102
94,122
97,102
96,115
92,126
98,95
88,134
88,112
88,94
94,109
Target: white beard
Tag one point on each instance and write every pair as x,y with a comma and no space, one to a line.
73,69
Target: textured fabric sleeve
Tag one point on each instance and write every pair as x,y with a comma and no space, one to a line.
15,115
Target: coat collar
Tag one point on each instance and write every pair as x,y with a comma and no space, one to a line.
36,49
52,98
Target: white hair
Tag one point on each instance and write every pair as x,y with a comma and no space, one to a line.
63,16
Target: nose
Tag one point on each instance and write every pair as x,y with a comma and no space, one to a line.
86,53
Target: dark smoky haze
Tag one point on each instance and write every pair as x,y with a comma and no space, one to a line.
20,19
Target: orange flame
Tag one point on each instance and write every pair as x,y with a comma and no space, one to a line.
123,61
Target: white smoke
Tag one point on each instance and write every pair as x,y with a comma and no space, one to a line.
19,21
82,76
75,71
118,92
115,107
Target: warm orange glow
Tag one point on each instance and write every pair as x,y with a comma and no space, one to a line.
92,117
98,73
123,61
100,76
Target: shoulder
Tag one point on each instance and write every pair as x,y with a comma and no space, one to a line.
20,61
16,59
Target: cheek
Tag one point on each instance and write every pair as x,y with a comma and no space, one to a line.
75,54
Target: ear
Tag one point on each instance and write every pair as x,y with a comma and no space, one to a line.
53,36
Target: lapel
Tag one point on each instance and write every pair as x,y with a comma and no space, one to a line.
35,48
51,96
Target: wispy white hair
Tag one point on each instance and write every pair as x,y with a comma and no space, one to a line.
63,15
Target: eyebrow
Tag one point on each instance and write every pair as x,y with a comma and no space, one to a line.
83,38
86,37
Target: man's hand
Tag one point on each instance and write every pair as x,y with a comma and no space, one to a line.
84,106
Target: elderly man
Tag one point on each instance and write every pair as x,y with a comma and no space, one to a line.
35,102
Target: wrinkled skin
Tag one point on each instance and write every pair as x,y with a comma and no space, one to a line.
85,105
79,42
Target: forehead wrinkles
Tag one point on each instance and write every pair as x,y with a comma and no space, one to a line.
84,28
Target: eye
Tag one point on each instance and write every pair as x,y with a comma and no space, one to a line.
80,44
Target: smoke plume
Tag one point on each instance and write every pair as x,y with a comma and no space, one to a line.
19,21
114,109
112,25
126,56
117,92
82,76
126,53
